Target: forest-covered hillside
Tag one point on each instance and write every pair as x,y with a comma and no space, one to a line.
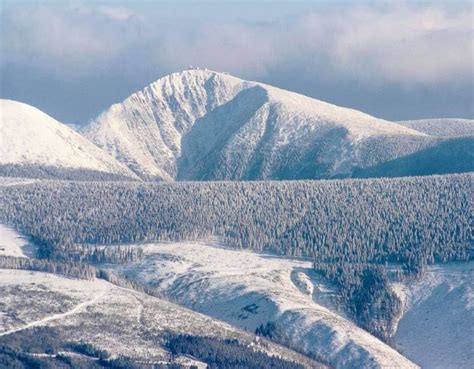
410,220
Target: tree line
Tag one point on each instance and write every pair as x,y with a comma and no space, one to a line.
72,269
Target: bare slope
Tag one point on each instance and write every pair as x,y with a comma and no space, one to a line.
437,327
202,125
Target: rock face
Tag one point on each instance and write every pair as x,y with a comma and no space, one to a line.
30,138
204,125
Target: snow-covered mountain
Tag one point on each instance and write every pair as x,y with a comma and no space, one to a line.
443,127
205,125
32,139
200,124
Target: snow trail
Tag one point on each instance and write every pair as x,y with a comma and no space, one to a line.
74,310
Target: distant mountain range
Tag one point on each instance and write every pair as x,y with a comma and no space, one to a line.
204,125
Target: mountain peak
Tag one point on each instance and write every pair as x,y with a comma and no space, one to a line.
31,137
203,124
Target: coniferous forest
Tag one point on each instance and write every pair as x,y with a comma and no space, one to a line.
413,221
350,229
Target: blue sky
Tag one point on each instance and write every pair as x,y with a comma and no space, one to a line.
392,59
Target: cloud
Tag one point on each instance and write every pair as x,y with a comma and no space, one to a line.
118,13
337,51
402,43
68,42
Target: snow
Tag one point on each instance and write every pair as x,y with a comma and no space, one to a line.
14,244
118,320
188,121
29,136
247,290
437,327
13,181
95,298
145,131
443,127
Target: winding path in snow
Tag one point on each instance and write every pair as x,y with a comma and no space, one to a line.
48,319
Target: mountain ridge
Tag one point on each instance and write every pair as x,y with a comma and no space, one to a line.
442,127
32,139
205,125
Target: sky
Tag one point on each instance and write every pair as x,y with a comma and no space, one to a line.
392,59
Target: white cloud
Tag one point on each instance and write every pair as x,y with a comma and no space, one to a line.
398,42
118,13
404,44
67,41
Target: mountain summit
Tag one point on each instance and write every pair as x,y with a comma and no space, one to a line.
205,125
35,144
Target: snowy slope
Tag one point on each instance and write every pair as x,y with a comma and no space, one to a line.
118,320
444,127
451,155
14,244
247,290
31,137
200,124
145,131
437,328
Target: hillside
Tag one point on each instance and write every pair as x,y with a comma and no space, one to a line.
249,290
436,329
453,155
204,125
92,319
443,127
353,230
35,144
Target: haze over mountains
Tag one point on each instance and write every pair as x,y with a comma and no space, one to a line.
204,125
